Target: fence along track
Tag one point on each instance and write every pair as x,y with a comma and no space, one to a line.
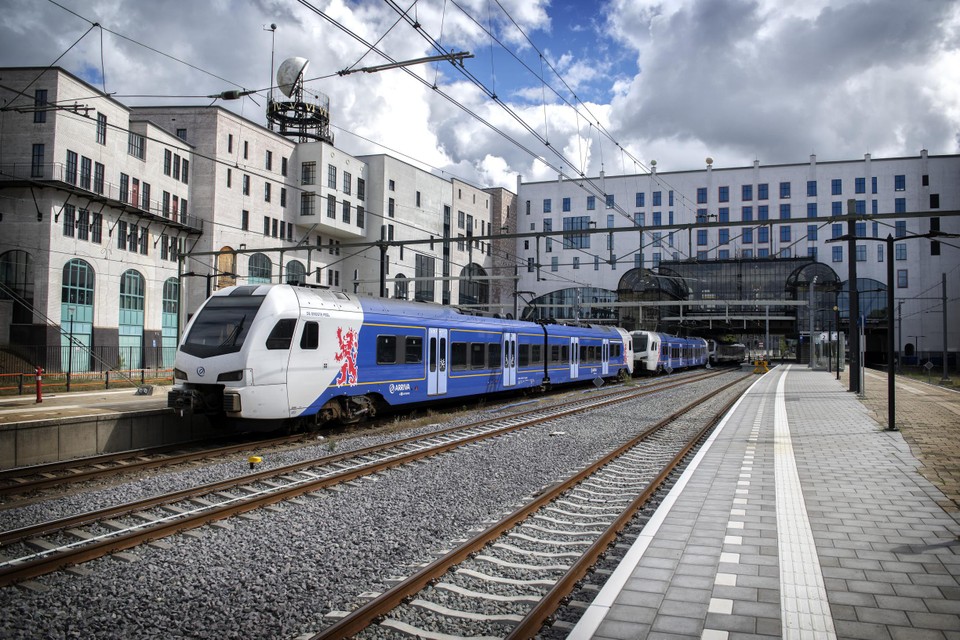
210,503
377,610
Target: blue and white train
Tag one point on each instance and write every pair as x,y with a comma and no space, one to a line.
270,355
655,353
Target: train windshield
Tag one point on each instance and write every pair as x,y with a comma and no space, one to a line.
640,343
221,326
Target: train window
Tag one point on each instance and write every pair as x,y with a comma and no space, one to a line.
443,354
477,355
584,351
458,356
565,353
433,354
640,343
413,354
282,334
615,350
386,349
310,338
536,354
554,353
523,355
493,355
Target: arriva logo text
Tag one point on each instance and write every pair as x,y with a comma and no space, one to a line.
397,388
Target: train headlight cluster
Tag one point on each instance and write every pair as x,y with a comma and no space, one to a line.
231,376
179,375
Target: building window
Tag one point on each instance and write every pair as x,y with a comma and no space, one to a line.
763,191
176,167
101,128
283,197
246,185
229,178
785,233
246,149
861,253
361,189
723,194
724,236
763,235
244,220
900,250
346,211
812,232
86,169
902,279
746,192
784,189
859,185
610,201
331,206
266,192
348,183
658,198
268,160
391,207
934,200
547,205
39,105
136,145
763,212
900,227
331,176
308,173
185,168
36,163
591,203
811,209
424,272
360,220
565,204
70,175
785,211
640,199
747,236
69,219
836,187
900,183
182,134
307,204
266,225
701,237
391,185
811,188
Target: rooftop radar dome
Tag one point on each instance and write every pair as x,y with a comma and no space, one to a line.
290,72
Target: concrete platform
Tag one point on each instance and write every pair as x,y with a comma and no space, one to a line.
802,518
73,425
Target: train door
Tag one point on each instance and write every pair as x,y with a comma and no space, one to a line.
437,362
574,358
605,357
509,351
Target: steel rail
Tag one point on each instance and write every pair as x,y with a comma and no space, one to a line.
534,620
45,562
367,614
135,464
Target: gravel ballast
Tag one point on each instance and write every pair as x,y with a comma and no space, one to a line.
277,573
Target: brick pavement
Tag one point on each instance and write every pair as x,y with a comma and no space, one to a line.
929,417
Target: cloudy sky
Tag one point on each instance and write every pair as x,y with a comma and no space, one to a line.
571,85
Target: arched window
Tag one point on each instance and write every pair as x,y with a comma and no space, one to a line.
226,268
474,292
76,315
168,318
260,269
296,273
16,276
401,287
131,320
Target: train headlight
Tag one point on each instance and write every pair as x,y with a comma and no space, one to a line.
231,376
179,375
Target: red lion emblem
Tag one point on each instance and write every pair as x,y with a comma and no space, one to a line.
347,356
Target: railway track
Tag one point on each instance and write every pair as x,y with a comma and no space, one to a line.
32,551
27,480
507,580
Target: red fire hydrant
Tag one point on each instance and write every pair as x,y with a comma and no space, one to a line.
39,385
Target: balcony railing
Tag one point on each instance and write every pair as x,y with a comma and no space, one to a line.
57,173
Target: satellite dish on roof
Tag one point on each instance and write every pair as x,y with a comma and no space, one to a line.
290,73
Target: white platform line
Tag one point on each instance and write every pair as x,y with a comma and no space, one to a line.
804,609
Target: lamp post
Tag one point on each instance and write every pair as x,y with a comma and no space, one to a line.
889,240
810,313
70,310
836,313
